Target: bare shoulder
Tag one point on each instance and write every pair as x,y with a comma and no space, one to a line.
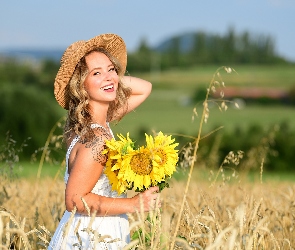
96,145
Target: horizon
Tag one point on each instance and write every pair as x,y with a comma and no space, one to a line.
56,53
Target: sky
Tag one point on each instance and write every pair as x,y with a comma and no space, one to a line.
56,24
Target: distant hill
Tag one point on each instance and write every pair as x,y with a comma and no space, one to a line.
245,47
186,42
33,54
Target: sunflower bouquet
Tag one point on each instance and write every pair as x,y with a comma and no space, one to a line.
130,167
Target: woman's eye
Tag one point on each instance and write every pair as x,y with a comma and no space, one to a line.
96,73
112,69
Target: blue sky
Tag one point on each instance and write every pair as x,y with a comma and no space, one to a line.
56,24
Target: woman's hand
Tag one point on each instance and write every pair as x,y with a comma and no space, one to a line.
148,200
140,90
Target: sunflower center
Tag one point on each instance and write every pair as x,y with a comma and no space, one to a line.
162,155
141,164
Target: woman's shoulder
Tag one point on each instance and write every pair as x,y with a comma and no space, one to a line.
92,147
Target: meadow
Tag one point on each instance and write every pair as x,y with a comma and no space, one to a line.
170,106
204,208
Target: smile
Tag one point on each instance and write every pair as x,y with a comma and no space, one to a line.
107,87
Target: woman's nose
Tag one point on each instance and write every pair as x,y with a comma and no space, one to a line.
107,75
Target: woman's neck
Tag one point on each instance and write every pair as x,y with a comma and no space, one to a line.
99,114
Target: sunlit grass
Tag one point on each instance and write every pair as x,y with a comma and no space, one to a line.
235,204
277,76
29,170
171,116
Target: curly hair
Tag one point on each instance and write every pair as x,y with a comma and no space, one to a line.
79,117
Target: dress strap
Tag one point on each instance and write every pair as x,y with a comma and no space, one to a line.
96,125
73,143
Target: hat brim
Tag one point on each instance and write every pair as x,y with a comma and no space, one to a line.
112,43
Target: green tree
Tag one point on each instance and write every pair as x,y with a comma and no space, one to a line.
140,60
27,112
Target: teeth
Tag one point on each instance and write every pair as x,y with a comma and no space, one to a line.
107,87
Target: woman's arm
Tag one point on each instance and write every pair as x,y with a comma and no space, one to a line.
141,89
107,206
86,166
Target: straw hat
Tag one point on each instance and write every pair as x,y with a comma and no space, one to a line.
72,55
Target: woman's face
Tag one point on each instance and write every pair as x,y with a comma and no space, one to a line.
102,79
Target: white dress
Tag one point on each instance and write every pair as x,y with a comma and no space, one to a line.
76,231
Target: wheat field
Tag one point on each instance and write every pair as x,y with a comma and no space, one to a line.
239,215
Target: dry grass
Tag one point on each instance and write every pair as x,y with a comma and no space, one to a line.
29,207
222,216
239,216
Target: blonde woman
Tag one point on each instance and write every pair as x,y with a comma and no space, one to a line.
91,85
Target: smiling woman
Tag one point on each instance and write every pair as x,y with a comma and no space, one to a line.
91,85
101,81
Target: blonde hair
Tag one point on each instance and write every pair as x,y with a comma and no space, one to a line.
79,117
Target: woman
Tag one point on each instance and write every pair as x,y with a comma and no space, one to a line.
91,85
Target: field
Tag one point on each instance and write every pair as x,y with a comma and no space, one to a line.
170,117
203,209
277,76
170,109
260,216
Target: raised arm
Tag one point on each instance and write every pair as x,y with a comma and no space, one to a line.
141,89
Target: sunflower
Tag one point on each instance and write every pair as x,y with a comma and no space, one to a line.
140,168
136,168
164,156
115,150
